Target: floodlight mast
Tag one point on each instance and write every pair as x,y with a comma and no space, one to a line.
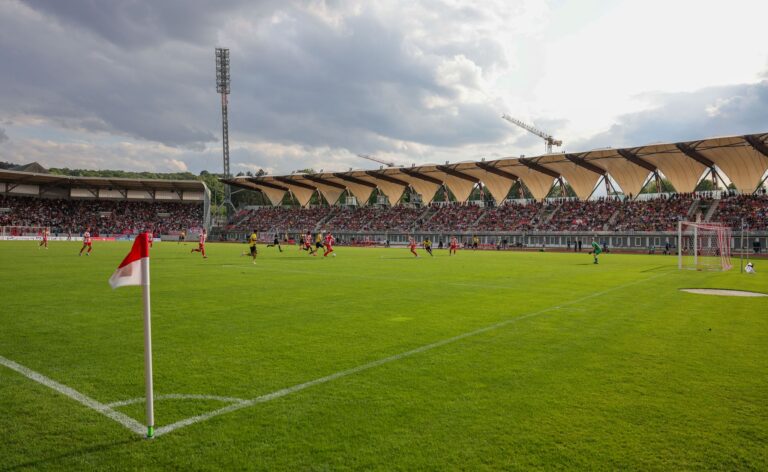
223,87
549,141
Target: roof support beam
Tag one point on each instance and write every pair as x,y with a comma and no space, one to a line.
354,180
631,157
289,181
457,174
496,171
694,154
320,180
757,144
581,162
419,175
538,167
264,183
386,178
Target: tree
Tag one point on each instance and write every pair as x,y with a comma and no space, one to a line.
216,187
557,192
706,185
666,187
514,191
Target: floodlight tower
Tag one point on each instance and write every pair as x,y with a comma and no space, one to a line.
222,87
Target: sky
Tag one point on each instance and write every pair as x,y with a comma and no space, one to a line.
130,84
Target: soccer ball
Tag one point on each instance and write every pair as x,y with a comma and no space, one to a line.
334,254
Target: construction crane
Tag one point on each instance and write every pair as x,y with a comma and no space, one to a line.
549,141
371,158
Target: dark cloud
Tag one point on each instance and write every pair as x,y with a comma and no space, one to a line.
350,87
297,78
309,78
131,24
3,136
713,111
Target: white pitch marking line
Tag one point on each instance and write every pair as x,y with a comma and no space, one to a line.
296,388
176,396
105,410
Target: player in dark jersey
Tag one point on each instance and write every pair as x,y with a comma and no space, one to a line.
428,246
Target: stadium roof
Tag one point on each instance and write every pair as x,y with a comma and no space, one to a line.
12,177
742,159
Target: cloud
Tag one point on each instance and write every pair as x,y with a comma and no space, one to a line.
709,112
149,157
139,24
314,82
330,74
3,136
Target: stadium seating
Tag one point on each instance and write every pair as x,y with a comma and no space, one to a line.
661,214
604,214
281,219
118,217
574,215
751,209
114,217
452,218
510,217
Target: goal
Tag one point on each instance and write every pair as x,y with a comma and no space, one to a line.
21,232
703,246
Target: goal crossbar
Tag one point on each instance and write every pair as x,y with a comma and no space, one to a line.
703,246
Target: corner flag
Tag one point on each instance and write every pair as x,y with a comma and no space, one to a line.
129,271
134,270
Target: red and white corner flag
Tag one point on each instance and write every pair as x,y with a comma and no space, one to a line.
134,270
129,271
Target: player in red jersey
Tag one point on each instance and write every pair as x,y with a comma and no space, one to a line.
308,244
201,245
44,241
412,246
329,242
454,245
86,242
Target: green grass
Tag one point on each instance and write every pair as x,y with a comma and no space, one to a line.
609,366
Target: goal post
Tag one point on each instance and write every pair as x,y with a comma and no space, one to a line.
22,232
703,246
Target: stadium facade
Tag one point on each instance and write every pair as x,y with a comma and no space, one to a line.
738,162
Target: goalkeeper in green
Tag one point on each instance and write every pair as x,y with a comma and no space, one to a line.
596,250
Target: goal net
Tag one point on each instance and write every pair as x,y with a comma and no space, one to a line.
703,246
21,232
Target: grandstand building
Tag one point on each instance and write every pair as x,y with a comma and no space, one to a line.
112,207
622,216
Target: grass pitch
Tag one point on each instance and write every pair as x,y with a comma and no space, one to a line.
583,366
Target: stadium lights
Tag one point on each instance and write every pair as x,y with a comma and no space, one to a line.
223,87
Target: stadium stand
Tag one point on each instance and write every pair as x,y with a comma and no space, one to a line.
751,210
575,215
282,219
103,216
511,216
110,206
660,214
652,215
452,218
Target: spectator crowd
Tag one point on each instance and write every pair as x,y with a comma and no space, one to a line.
113,217
117,217
603,214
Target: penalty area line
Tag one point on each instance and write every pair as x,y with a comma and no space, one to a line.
344,373
83,399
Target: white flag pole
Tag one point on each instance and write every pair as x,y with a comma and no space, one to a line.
148,348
